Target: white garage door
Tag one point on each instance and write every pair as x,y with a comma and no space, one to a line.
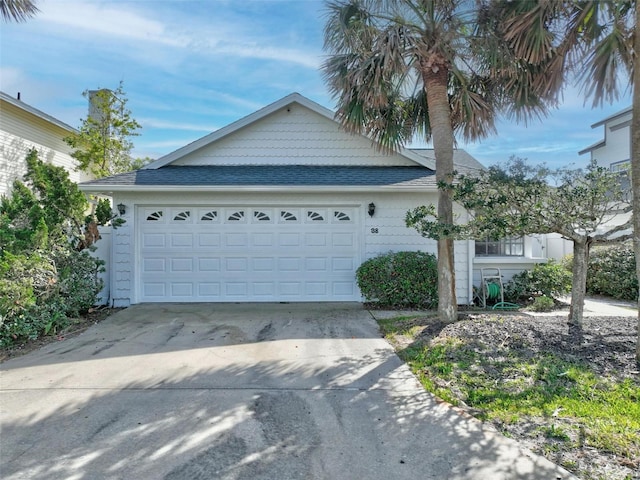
209,254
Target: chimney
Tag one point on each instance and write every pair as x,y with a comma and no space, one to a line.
18,95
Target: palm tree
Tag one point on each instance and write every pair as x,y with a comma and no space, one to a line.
399,68
17,10
598,43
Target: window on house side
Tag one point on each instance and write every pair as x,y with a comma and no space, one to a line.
505,247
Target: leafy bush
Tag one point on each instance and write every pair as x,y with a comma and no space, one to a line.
612,272
542,304
549,279
400,279
40,291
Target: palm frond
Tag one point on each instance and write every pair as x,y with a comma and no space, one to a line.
17,10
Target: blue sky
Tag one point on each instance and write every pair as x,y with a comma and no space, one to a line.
191,67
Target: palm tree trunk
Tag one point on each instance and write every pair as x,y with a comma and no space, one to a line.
435,83
635,161
579,282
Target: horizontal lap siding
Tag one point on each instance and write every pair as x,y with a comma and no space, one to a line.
19,132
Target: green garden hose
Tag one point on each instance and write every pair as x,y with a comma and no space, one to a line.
493,291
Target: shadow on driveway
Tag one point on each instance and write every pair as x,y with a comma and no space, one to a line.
163,391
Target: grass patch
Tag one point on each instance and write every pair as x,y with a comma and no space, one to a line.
574,406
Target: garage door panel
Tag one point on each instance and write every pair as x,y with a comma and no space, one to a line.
318,239
319,289
342,264
342,239
343,289
157,265
263,289
182,290
248,254
289,289
289,264
262,239
263,264
316,264
154,290
209,289
182,265
237,264
236,240
209,240
181,240
153,240
236,289
208,264
289,239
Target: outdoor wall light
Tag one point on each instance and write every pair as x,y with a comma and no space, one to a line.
122,209
372,209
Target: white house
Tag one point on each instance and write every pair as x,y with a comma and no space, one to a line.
614,150
23,127
282,205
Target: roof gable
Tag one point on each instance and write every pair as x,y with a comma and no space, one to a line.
292,131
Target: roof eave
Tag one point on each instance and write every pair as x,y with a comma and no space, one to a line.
107,189
601,143
38,113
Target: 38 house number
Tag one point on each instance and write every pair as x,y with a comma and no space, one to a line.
374,230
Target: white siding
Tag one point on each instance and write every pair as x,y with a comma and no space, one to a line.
617,146
293,135
392,234
19,132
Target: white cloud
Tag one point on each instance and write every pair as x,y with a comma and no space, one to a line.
173,125
107,21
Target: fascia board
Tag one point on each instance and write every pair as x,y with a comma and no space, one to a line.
37,113
257,188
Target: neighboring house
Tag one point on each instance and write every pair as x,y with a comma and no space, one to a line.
23,127
282,205
614,150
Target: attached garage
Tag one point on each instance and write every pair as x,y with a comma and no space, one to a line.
280,206
248,253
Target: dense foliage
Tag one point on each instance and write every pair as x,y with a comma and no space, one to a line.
544,279
612,272
41,291
400,279
45,278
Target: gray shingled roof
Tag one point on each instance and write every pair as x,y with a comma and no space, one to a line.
270,175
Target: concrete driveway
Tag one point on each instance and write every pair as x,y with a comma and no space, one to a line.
238,391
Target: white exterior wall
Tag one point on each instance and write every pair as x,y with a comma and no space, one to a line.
617,142
19,132
293,135
392,234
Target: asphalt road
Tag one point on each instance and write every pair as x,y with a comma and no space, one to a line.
238,391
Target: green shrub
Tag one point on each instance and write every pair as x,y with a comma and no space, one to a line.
549,279
401,279
542,304
612,272
40,291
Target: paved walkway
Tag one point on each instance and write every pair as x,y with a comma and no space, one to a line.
606,307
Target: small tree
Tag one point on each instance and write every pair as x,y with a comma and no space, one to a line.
47,209
588,207
103,145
